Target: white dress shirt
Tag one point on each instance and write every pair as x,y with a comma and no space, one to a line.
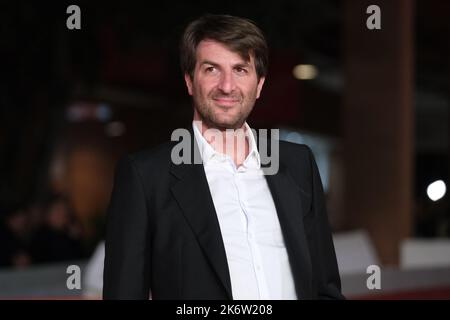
254,245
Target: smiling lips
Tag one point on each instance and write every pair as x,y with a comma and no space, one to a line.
226,101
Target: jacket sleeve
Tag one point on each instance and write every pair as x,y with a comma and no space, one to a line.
127,255
329,279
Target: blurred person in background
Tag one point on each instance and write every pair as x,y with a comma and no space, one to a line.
15,236
59,237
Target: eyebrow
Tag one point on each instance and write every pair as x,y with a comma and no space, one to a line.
245,64
209,62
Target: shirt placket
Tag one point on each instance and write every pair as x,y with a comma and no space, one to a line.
251,233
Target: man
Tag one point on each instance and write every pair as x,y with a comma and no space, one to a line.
220,229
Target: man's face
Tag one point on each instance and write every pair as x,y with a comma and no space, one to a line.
224,86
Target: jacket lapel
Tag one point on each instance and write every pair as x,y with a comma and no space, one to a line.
192,193
290,210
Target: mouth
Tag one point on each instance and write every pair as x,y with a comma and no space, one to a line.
226,102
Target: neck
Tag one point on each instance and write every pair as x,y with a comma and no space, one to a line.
231,142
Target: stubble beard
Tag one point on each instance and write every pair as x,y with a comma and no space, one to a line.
206,110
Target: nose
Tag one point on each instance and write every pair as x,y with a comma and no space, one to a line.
227,83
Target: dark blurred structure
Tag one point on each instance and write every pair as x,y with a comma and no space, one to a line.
73,101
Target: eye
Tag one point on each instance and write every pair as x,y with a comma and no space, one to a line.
241,70
210,69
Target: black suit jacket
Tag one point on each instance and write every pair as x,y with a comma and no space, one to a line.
163,234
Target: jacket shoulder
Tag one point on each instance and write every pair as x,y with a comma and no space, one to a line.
293,153
151,159
153,153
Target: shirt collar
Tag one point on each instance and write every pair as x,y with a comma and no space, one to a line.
208,153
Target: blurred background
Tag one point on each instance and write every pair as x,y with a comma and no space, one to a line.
372,104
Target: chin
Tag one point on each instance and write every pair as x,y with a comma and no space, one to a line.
229,124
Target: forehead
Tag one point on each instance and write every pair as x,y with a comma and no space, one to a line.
217,52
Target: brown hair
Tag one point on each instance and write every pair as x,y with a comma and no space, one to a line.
238,34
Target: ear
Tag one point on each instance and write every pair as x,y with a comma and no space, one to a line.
259,87
188,80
